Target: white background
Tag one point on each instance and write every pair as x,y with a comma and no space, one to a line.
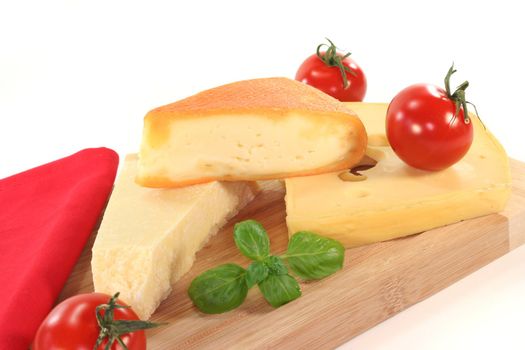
76,74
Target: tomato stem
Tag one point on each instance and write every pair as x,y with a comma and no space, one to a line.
458,96
332,59
112,329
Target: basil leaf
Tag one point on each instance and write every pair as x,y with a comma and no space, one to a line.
251,239
313,257
256,272
280,289
276,265
220,289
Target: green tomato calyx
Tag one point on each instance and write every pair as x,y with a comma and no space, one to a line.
112,329
331,58
458,96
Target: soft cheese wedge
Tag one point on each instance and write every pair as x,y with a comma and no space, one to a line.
396,200
249,130
148,237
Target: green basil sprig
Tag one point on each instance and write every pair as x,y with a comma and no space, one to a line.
220,289
313,257
225,287
252,240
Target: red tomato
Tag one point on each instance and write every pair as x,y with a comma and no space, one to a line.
422,127
325,70
72,325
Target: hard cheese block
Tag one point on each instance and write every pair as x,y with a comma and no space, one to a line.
396,200
148,237
249,130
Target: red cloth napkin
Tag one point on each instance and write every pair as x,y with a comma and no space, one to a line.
46,216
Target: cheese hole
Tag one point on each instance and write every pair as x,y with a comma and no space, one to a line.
366,163
351,177
362,194
355,173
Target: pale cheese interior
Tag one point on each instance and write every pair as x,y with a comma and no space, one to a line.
395,199
148,237
244,146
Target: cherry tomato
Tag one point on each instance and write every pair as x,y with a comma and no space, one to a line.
72,324
423,128
333,73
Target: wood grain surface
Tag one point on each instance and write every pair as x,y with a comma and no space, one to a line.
378,281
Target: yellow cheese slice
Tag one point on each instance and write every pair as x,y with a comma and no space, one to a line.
148,237
257,129
396,200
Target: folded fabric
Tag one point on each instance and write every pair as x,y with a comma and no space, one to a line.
46,216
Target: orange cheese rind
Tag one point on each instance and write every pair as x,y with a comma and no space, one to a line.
265,95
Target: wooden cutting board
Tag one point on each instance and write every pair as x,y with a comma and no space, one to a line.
378,281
